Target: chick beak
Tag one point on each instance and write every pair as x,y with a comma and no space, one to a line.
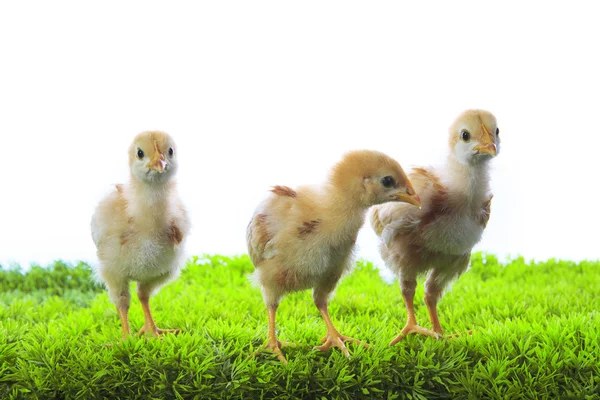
410,196
487,144
158,162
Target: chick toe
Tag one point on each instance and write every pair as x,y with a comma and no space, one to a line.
274,346
337,340
414,329
156,331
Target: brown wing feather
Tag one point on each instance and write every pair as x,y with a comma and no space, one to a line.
376,221
174,233
438,197
287,191
406,218
258,237
486,211
423,178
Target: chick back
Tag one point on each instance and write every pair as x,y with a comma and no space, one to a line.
295,244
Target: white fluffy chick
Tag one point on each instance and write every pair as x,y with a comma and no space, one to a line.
303,239
439,237
140,228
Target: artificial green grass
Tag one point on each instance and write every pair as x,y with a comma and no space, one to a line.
536,334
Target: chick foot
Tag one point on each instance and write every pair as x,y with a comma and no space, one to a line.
274,346
333,337
156,331
336,339
149,324
415,329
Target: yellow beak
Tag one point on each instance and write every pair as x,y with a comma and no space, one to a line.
158,162
413,199
487,145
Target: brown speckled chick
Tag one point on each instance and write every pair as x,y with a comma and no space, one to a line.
303,239
140,228
456,207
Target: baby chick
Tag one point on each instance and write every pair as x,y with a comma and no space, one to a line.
439,237
302,239
139,228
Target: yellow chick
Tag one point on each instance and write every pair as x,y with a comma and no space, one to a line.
303,238
140,228
439,237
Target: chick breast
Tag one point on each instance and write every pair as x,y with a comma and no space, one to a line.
138,248
441,234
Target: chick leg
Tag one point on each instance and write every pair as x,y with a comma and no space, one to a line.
120,296
432,296
124,315
273,344
272,296
408,293
143,293
333,337
431,300
433,293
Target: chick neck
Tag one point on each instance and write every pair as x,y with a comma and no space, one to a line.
150,199
470,181
345,211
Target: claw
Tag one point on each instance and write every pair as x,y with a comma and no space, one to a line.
149,324
156,331
274,346
336,340
416,329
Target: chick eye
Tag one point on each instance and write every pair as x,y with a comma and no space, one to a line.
140,154
466,136
171,151
388,181
497,131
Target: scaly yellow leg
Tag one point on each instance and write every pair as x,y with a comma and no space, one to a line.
124,322
431,302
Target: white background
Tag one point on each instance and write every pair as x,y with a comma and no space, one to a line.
264,93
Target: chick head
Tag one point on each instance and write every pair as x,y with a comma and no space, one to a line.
475,137
371,178
153,157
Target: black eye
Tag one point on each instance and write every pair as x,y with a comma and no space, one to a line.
171,151
140,154
497,131
466,136
388,181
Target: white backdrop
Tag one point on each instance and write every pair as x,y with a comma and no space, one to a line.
264,93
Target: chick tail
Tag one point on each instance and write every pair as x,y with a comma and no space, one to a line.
376,222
